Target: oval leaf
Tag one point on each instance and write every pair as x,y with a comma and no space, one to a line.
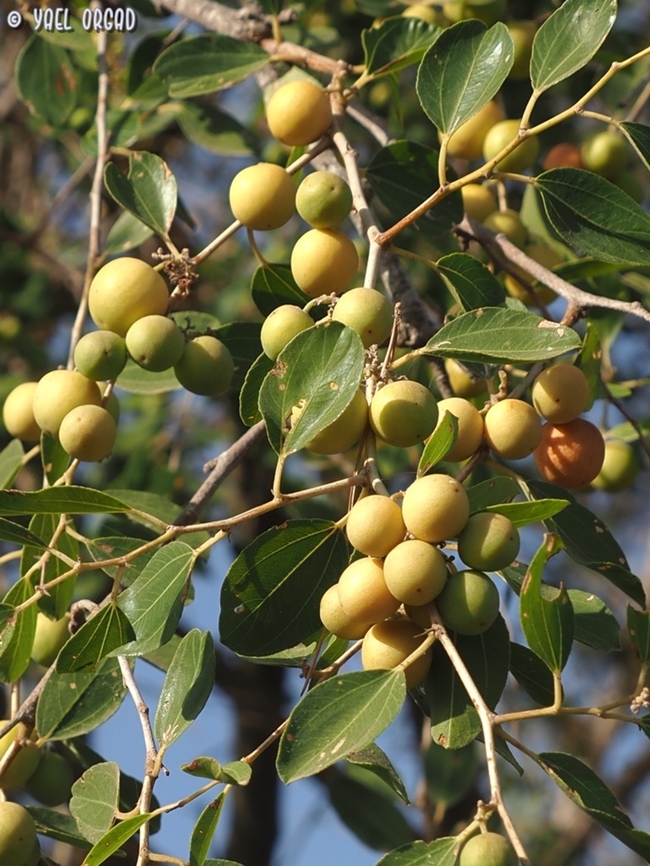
60,500
17,636
534,677
463,69
450,773
638,625
491,492
271,595
58,599
523,513
126,233
11,461
439,443
57,825
396,43
149,190
373,759
339,716
46,80
274,285
638,134
203,831
470,282
249,395
95,799
114,839
441,852
98,637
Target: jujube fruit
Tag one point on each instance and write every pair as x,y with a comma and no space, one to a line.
487,11
605,153
155,343
467,141
560,393
388,644
415,572
367,312
523,33
561,155
57,393
206,366
435,507
425,13
469,603
262,196
463,385
123,291
49,638
509,223
488,542
345,431
52,781
487,849
100,355
281,326
299,112
620,467
543,255
17,834
403,413
363,593
570,455
336,620
513,429
501,134
18,413
24,763
375,526
478,201
323,199
470,427
323,262
88,433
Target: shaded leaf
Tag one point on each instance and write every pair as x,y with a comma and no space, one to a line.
149,191
638,134
532,674
97,638
638,625
59,500
341,715
249,394
396,43
439,443
491,492
11,459
271,595
136,380
523,513
57,600
17,534
57,825
126,233
215,130
54,459
273,285
95,798
203,831
17,635
471,284
441,852
593,622
373,759
450,773
46,80
243,341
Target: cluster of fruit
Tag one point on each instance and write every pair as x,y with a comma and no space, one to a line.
128,301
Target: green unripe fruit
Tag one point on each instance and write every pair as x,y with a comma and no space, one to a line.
323,262
469,603
282,325
18,413
59,392
415,572
425,13
363,593
435,507
50,636
478,201
123,291
323,199
467,141
375,525
487,849
523,33
17,834
513,429
403,413
388,644
605,153
560,393
620,467
544,255
112,406
206,367
487,11
499,136
470,427
24,762
100,355
33,859
262,196
51,784
88,433
345,431
507,222
461,382
156,343
489,542
336,620
367,312
299,112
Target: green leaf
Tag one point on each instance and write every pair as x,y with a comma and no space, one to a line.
373,759
532,674
96,639
243,341
568,39
54,459
249,394
589,361
594,216
638,134
95,799
73,37
294,657
523,513
59,500
57,600
203,831
114,839
187,687
274,285
594,624
271,595
496,336
11,459
204,64
149,191
439,443
215,130
587,541
17,636
547,623
638,625
491,492
583,787
126,233
402,174
136,380
450,773
75,704
441,852
471,284
234,773
154,602
462,71
115,546
454,720
46,80
17,534
319,369
57,825
341,715
152,509
396,43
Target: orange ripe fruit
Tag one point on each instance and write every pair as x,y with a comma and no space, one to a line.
570,455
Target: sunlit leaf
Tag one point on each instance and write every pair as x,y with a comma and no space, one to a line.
95,798
149,191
